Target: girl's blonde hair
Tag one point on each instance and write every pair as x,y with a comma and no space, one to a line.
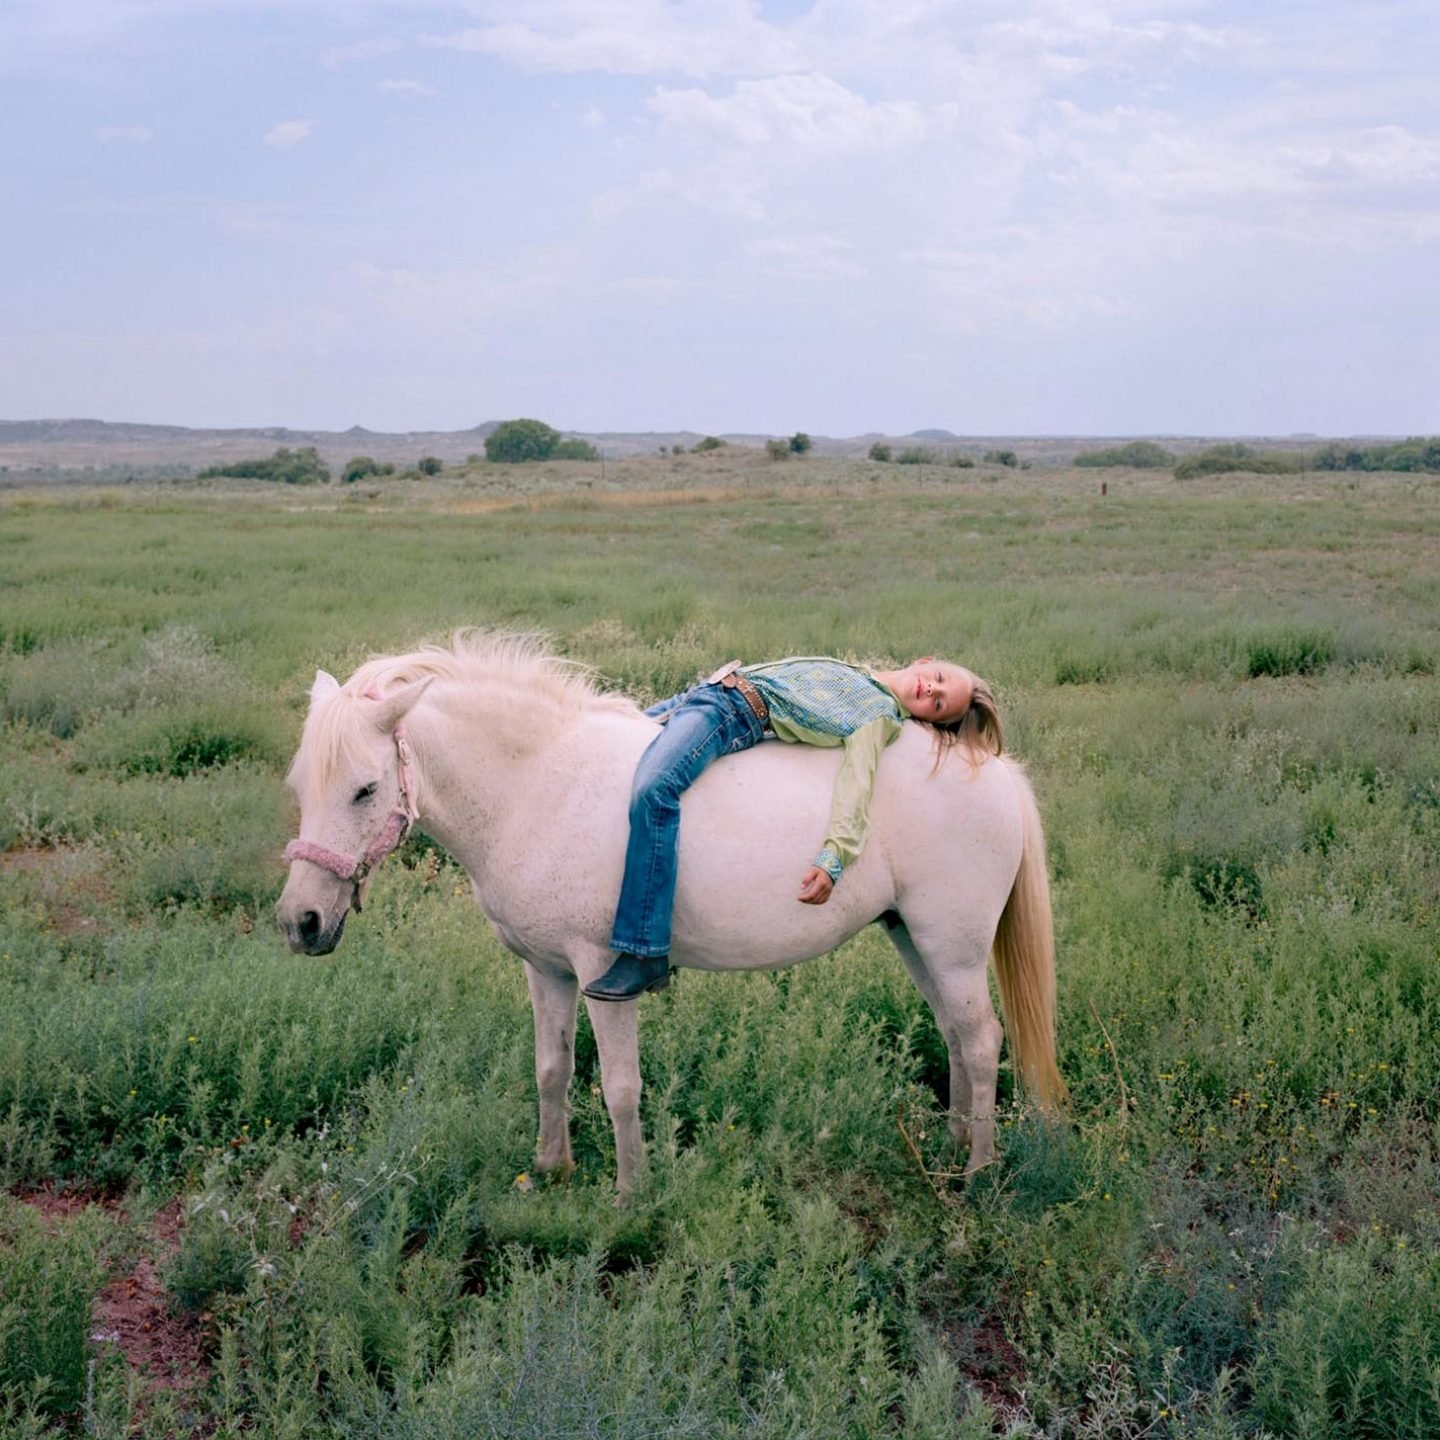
979,731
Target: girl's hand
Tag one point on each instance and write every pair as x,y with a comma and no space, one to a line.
815,888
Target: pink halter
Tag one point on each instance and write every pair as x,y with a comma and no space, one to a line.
356,869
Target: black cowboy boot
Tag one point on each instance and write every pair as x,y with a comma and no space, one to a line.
630,976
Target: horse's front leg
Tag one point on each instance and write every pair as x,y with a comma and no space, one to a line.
617,1038
553,999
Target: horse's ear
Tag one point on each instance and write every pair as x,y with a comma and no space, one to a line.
395,706
325,684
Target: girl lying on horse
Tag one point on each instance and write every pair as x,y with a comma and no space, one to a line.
810,701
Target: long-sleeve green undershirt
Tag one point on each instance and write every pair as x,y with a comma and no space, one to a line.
815,700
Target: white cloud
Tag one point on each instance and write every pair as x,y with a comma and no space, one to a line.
629,37
809,111
406,87
806,257
1032,281
450,301
593,118
340,55
126,134
289,133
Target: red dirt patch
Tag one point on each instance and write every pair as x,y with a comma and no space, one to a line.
133,1310
68,884
991,1365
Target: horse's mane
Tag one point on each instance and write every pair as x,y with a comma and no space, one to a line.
516,672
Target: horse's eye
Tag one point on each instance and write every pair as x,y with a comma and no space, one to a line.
367,792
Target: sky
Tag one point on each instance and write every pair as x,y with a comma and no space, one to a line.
999,217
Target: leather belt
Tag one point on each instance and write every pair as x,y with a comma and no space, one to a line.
730,677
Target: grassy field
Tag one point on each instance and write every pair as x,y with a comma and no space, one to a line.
1226,693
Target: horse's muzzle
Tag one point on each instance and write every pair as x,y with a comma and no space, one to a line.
307,934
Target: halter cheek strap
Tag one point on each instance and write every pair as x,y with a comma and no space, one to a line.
356,869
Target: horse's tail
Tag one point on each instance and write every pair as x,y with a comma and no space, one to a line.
1025,961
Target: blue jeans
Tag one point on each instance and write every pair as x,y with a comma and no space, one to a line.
702,725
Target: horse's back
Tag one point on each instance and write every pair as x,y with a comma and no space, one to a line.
943,840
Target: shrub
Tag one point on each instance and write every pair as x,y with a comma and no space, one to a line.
881,451
1002,457
915,455
710,442
1140,454
1405,455
800,443
777,449
962,462
429,465
1225,459
362,467
579,450
1355,1354
517,441
285,466
1291,650
47,1284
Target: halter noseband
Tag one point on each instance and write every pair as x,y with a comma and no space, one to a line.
356,869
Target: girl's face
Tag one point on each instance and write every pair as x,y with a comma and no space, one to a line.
934,690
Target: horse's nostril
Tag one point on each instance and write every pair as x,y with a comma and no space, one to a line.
309,927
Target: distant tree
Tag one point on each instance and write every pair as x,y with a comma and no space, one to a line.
710,442
914,455
881,451
962,462
285,466
429,465
800,443
1142,454
777,449
516,441
575,450
362,467
1002,457
1414,454
1223,459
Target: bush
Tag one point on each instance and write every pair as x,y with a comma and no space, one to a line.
915,455
1355,1353
287,467
962,462
578,450
1002,457
429,465
517,441
1291,650
777,449
362,467
1225,459
1405,455
1140,454
710,442
47,1284
800,443
881,451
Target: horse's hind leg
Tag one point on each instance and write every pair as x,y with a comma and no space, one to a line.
951,974
553,1000
618,1040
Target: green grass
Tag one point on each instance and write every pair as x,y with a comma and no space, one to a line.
1225,692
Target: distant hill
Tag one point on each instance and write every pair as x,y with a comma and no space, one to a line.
46,449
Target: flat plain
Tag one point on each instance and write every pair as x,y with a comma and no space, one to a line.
1225,692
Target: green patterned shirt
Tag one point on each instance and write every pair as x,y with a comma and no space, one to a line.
814,700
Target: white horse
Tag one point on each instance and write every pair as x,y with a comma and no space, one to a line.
521,768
